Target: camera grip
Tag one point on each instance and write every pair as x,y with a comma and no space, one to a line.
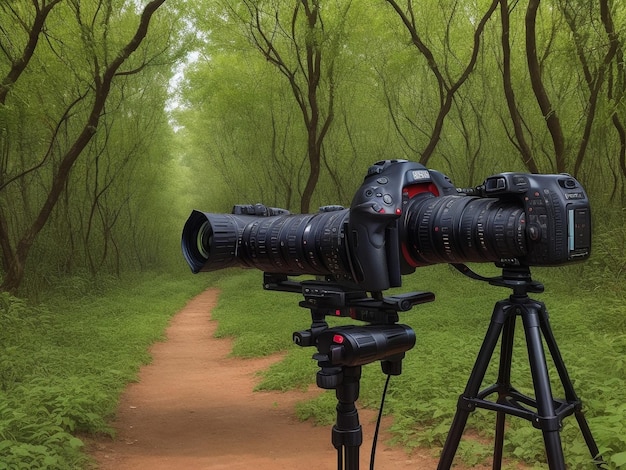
368,227
373,230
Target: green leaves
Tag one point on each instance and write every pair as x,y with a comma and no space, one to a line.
31,438
63,367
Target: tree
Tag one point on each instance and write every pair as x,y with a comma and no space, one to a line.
305,53
106,56
519,138
550,114
446,84
596,70
19,58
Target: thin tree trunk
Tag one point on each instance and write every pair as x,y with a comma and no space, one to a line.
516,119
534,69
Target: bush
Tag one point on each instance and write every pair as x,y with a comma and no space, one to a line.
62,368
37,418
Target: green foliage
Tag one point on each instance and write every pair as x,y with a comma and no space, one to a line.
606,269
20,327
63,365
321,409
294,371
38,413
272,315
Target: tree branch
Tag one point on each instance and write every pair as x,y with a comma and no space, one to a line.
19,65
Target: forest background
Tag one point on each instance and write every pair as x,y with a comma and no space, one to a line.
104,147
118,117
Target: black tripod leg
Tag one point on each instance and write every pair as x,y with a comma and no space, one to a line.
546,418
503,387
465,406
568,387
347,434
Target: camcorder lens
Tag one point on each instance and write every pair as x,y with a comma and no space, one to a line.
284,244
297,244
204,239
458,229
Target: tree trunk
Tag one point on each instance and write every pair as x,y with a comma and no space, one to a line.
534,69
516,118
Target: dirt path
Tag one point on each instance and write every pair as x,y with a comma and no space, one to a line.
194,407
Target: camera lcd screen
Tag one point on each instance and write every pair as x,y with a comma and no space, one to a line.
579,229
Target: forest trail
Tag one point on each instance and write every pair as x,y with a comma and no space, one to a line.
194,407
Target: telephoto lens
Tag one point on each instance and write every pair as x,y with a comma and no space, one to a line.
286,244
458,229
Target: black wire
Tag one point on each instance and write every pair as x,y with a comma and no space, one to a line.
380,417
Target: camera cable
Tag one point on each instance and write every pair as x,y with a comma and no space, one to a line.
378,421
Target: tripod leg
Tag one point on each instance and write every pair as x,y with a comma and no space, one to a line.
465,406
568,387
546,418
589,440
498,448
503,387
347,434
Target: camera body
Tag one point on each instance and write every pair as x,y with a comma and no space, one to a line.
403,216
558,215
553,223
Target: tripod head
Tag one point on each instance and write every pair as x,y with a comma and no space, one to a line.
351,345
342,350
514,276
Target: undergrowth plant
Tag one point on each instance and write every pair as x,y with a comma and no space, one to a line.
64,364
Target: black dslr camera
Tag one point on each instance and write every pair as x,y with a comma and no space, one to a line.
403,216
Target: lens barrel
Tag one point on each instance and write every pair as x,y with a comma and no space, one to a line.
285,244
209,241
458,229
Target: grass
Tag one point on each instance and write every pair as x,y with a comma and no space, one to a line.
64,364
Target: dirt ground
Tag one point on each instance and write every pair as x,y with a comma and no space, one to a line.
194,407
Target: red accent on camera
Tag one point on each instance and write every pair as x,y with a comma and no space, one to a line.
338,339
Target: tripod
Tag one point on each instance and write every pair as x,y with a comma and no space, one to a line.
544,411
347,434
343,350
